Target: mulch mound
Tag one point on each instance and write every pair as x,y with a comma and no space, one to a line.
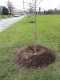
27,58
31,22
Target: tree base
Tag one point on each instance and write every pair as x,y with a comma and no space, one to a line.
27,58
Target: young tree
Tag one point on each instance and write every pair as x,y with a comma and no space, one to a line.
32,8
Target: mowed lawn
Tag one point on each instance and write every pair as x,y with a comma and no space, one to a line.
21,34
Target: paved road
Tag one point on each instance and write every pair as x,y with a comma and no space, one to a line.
5,23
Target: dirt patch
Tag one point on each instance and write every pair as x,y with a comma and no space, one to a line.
27,58
31,22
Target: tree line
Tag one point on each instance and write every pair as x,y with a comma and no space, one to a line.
50,11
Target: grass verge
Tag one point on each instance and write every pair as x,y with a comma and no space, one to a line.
21,34
5,16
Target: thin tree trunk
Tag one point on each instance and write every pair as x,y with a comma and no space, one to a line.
35,29
23,9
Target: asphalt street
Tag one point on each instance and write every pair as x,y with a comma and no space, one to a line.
5,23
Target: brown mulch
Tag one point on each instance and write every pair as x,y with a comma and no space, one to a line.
27,58
31,22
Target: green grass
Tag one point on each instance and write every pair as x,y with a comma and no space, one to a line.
21,34
5,16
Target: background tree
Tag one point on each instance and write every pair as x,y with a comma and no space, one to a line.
10,7
4,11
31,9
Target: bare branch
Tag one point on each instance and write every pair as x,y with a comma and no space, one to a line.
36,1
39,3
32,0
49,0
